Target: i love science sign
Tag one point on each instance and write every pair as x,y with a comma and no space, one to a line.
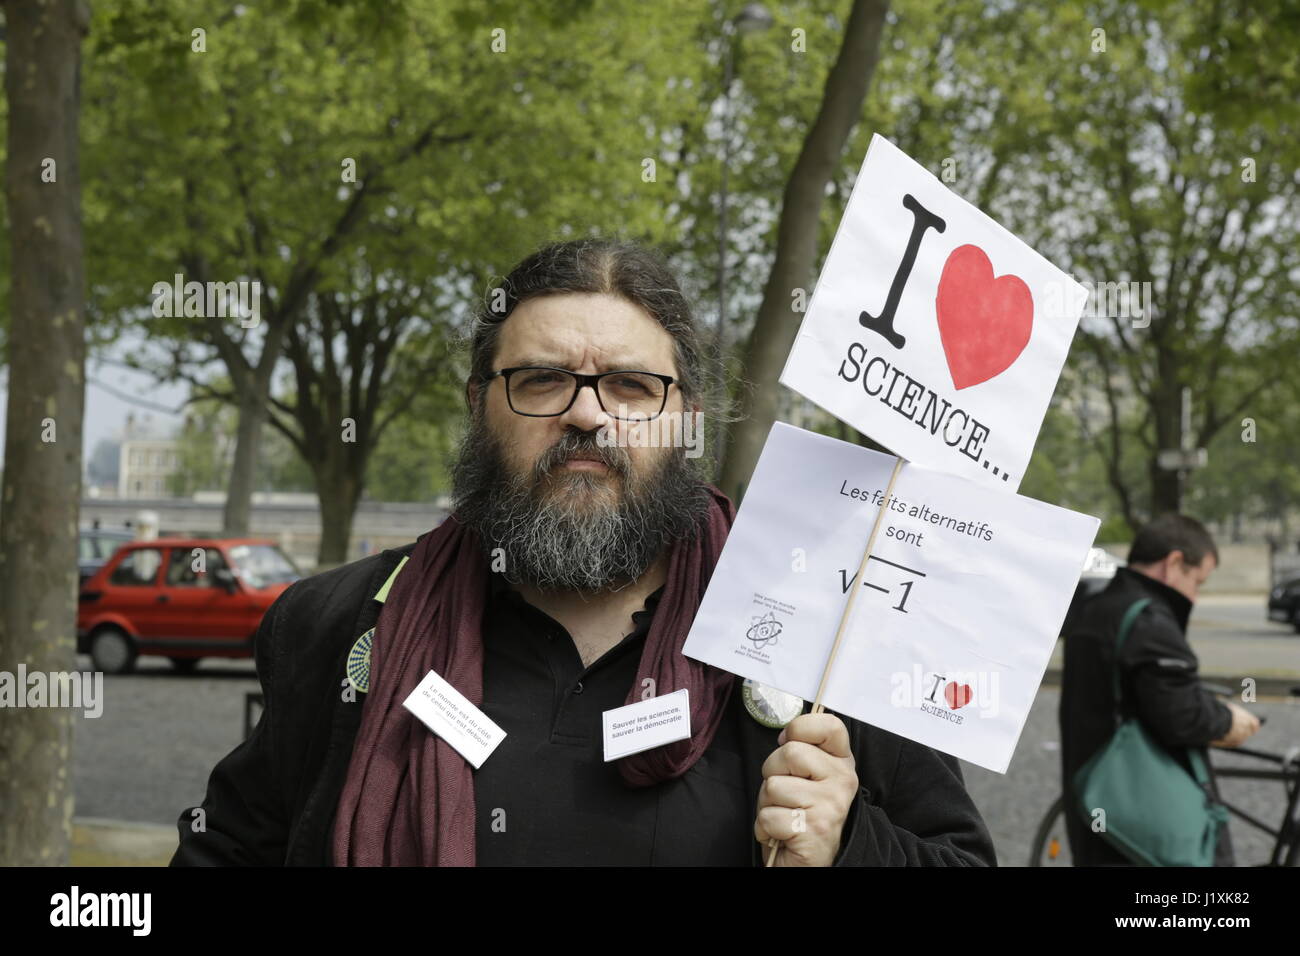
933,329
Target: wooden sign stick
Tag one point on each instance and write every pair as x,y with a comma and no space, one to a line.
774,844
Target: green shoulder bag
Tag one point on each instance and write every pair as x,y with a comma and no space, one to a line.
1156,813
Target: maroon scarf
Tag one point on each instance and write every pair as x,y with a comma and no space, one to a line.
408,799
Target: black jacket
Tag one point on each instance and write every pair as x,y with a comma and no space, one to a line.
272,800
1158,685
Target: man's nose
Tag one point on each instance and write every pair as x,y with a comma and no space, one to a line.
585,413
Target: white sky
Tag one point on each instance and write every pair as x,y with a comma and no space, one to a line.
105,412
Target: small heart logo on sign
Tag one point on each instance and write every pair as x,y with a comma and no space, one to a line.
984,322
957,696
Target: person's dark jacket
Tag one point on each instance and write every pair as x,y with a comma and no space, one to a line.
272,800
1159,685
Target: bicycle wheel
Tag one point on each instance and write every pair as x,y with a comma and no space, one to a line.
1050,846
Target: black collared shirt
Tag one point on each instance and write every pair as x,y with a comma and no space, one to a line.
545,796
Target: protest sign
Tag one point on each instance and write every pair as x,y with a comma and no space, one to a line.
963,594
932,328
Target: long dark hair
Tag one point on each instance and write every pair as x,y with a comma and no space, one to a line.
614,266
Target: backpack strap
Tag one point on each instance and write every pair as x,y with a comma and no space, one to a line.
1199,771
1125,625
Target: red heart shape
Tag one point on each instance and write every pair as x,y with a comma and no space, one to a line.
957,697
984,323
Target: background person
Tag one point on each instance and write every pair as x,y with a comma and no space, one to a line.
1169,561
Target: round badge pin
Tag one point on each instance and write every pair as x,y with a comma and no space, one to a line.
769,706
358,669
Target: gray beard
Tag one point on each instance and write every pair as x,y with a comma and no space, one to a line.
572,530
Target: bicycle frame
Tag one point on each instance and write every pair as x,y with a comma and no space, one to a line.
1286,846
1286,849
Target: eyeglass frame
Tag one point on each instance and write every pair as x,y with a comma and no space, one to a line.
581,381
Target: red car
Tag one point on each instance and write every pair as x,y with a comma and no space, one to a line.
183,598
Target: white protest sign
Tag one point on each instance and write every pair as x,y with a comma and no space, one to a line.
963,595
932,328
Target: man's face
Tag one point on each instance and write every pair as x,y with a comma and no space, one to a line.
569,511
1187,578
589,333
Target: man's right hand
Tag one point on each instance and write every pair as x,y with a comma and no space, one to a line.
1244,725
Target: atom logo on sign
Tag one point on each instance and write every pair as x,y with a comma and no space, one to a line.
764,631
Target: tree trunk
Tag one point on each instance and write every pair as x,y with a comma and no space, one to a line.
243,471
776,325
42,476
339,490
1167,411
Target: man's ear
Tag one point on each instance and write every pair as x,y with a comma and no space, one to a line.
1175,559
471,392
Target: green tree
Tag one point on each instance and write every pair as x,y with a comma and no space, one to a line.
259,164
349,389
206,444
43,424
203,446
774,329
412,461
1200,210
1253,470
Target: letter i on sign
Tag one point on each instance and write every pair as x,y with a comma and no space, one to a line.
922,220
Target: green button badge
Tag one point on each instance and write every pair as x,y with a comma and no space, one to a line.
769,706
358,669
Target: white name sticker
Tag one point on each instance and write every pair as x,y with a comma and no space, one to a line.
647,723
450,715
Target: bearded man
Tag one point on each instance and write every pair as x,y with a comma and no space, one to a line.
561,588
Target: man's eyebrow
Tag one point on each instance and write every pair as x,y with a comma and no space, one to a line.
618,365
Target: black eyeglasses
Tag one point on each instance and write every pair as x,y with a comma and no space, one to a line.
540,391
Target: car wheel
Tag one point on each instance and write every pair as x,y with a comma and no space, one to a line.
112,651
185,665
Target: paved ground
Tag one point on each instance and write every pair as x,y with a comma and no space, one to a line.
149,755
1013,804
1232,637
118,843
1230,634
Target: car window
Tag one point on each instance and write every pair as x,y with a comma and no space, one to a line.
182,573
261,565
107,547
137,568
